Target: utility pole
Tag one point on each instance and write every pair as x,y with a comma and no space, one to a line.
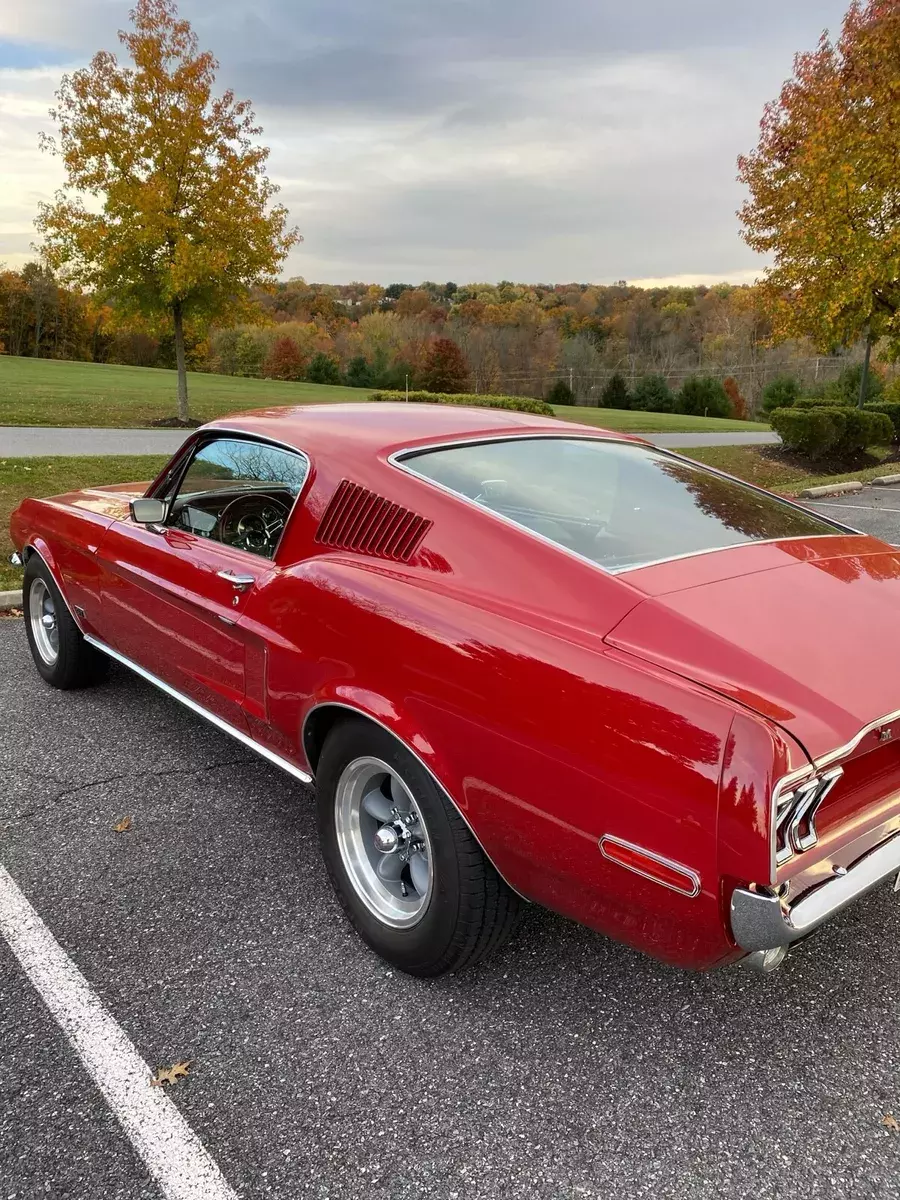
407,389
864,377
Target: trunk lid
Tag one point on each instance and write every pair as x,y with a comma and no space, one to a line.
807,634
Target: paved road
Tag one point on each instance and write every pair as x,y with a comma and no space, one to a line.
20,441
680,440
567,1068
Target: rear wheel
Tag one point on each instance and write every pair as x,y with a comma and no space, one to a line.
408,873
62,656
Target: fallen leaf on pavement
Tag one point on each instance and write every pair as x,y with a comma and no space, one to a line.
889,1121
122,826
170,1075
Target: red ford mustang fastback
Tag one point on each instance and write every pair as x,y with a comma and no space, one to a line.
520,657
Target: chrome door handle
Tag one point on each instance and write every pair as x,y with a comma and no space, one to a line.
240,583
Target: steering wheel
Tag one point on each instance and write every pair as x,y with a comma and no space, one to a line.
253,523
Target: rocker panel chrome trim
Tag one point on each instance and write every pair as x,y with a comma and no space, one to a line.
200,711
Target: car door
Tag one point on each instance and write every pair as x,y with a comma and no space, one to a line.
172,594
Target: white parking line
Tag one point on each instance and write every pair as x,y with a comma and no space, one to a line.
863,507
172,1152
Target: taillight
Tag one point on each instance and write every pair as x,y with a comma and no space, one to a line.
795,815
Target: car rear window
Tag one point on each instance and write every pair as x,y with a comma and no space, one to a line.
620,505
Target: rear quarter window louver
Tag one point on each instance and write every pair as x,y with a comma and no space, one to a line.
360,520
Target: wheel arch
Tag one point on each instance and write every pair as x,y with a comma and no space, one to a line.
322,718
37,546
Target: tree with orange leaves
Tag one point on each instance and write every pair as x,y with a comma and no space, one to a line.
185,225
825,187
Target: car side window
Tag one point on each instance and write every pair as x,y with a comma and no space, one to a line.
239,492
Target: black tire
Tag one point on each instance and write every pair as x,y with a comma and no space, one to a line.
76,664
471,911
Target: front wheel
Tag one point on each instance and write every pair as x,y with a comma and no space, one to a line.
409,874
62,656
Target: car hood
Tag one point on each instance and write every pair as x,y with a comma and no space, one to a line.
806,632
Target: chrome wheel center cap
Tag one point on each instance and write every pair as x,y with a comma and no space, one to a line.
386,839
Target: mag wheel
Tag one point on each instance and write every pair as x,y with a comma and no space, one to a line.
383,841
408,873
62,656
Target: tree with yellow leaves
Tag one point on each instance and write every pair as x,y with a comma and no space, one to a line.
185,223
824,186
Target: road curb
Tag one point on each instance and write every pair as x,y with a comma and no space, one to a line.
833,489
882,480
10,600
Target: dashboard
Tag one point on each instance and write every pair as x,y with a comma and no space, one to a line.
249,518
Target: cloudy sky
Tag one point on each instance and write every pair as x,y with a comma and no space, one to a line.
588,140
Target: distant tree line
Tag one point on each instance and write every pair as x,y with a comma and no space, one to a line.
616,346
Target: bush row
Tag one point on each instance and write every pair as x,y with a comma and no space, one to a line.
785,392
700,395
831,429
515,403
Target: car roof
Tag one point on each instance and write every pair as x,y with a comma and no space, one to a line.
381,428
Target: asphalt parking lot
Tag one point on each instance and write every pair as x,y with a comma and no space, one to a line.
567,1067
874,510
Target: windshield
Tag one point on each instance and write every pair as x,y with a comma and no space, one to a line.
619,505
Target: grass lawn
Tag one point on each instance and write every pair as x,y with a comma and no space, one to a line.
757,466
40,391
646,422
21,477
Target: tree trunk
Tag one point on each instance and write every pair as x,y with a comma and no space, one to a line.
178,321
864,377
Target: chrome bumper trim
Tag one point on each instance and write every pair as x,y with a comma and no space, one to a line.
761,922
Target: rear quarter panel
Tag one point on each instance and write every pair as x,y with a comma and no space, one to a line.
545,737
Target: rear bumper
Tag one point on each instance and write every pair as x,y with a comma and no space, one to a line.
761,921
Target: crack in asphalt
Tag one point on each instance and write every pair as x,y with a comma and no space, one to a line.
165,772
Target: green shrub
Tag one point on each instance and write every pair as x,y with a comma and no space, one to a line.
652,394
846,386
323,369
831,429
515,403
703,395
810,432
359,373
560,393
891,408
615,393
782,392
806,402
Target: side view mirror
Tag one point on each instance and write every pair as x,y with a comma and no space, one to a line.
148,512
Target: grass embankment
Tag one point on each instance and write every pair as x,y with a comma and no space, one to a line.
21,477
767,466
39,391
624,421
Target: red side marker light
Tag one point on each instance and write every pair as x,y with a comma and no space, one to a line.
651,866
